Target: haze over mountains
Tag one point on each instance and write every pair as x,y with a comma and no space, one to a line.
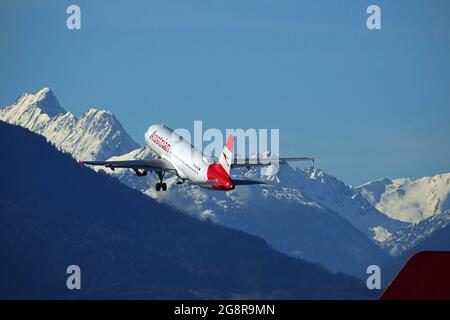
307,213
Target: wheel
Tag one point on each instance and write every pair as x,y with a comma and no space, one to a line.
164,187
158,186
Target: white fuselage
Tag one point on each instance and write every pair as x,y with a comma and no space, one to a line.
189,162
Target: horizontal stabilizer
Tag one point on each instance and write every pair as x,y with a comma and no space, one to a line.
209,183
261,161
244,182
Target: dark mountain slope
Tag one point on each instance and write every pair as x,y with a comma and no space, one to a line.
54,213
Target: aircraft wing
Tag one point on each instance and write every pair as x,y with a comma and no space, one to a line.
151,165
249,162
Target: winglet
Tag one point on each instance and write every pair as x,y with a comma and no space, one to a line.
313,159
81,162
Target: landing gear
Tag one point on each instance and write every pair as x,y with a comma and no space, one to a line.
160,185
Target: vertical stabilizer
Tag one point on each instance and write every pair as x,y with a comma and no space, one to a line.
227,155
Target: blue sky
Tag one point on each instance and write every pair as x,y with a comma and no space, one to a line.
368,104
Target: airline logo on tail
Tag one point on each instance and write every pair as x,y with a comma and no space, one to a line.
227,155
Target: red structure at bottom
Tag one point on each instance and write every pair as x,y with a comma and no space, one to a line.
426,276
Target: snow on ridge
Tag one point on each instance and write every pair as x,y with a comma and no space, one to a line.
409,199
97,134
381,234
44,99
337,196
422,202
406,238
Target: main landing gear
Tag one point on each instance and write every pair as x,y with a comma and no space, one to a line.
161,185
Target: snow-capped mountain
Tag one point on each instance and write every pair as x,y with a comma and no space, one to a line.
334,194
97,134
409,199
424,202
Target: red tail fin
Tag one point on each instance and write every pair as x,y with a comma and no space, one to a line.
226,157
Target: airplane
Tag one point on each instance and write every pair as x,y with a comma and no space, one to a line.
175,155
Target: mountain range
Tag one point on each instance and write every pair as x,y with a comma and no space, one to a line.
307,213
127,245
